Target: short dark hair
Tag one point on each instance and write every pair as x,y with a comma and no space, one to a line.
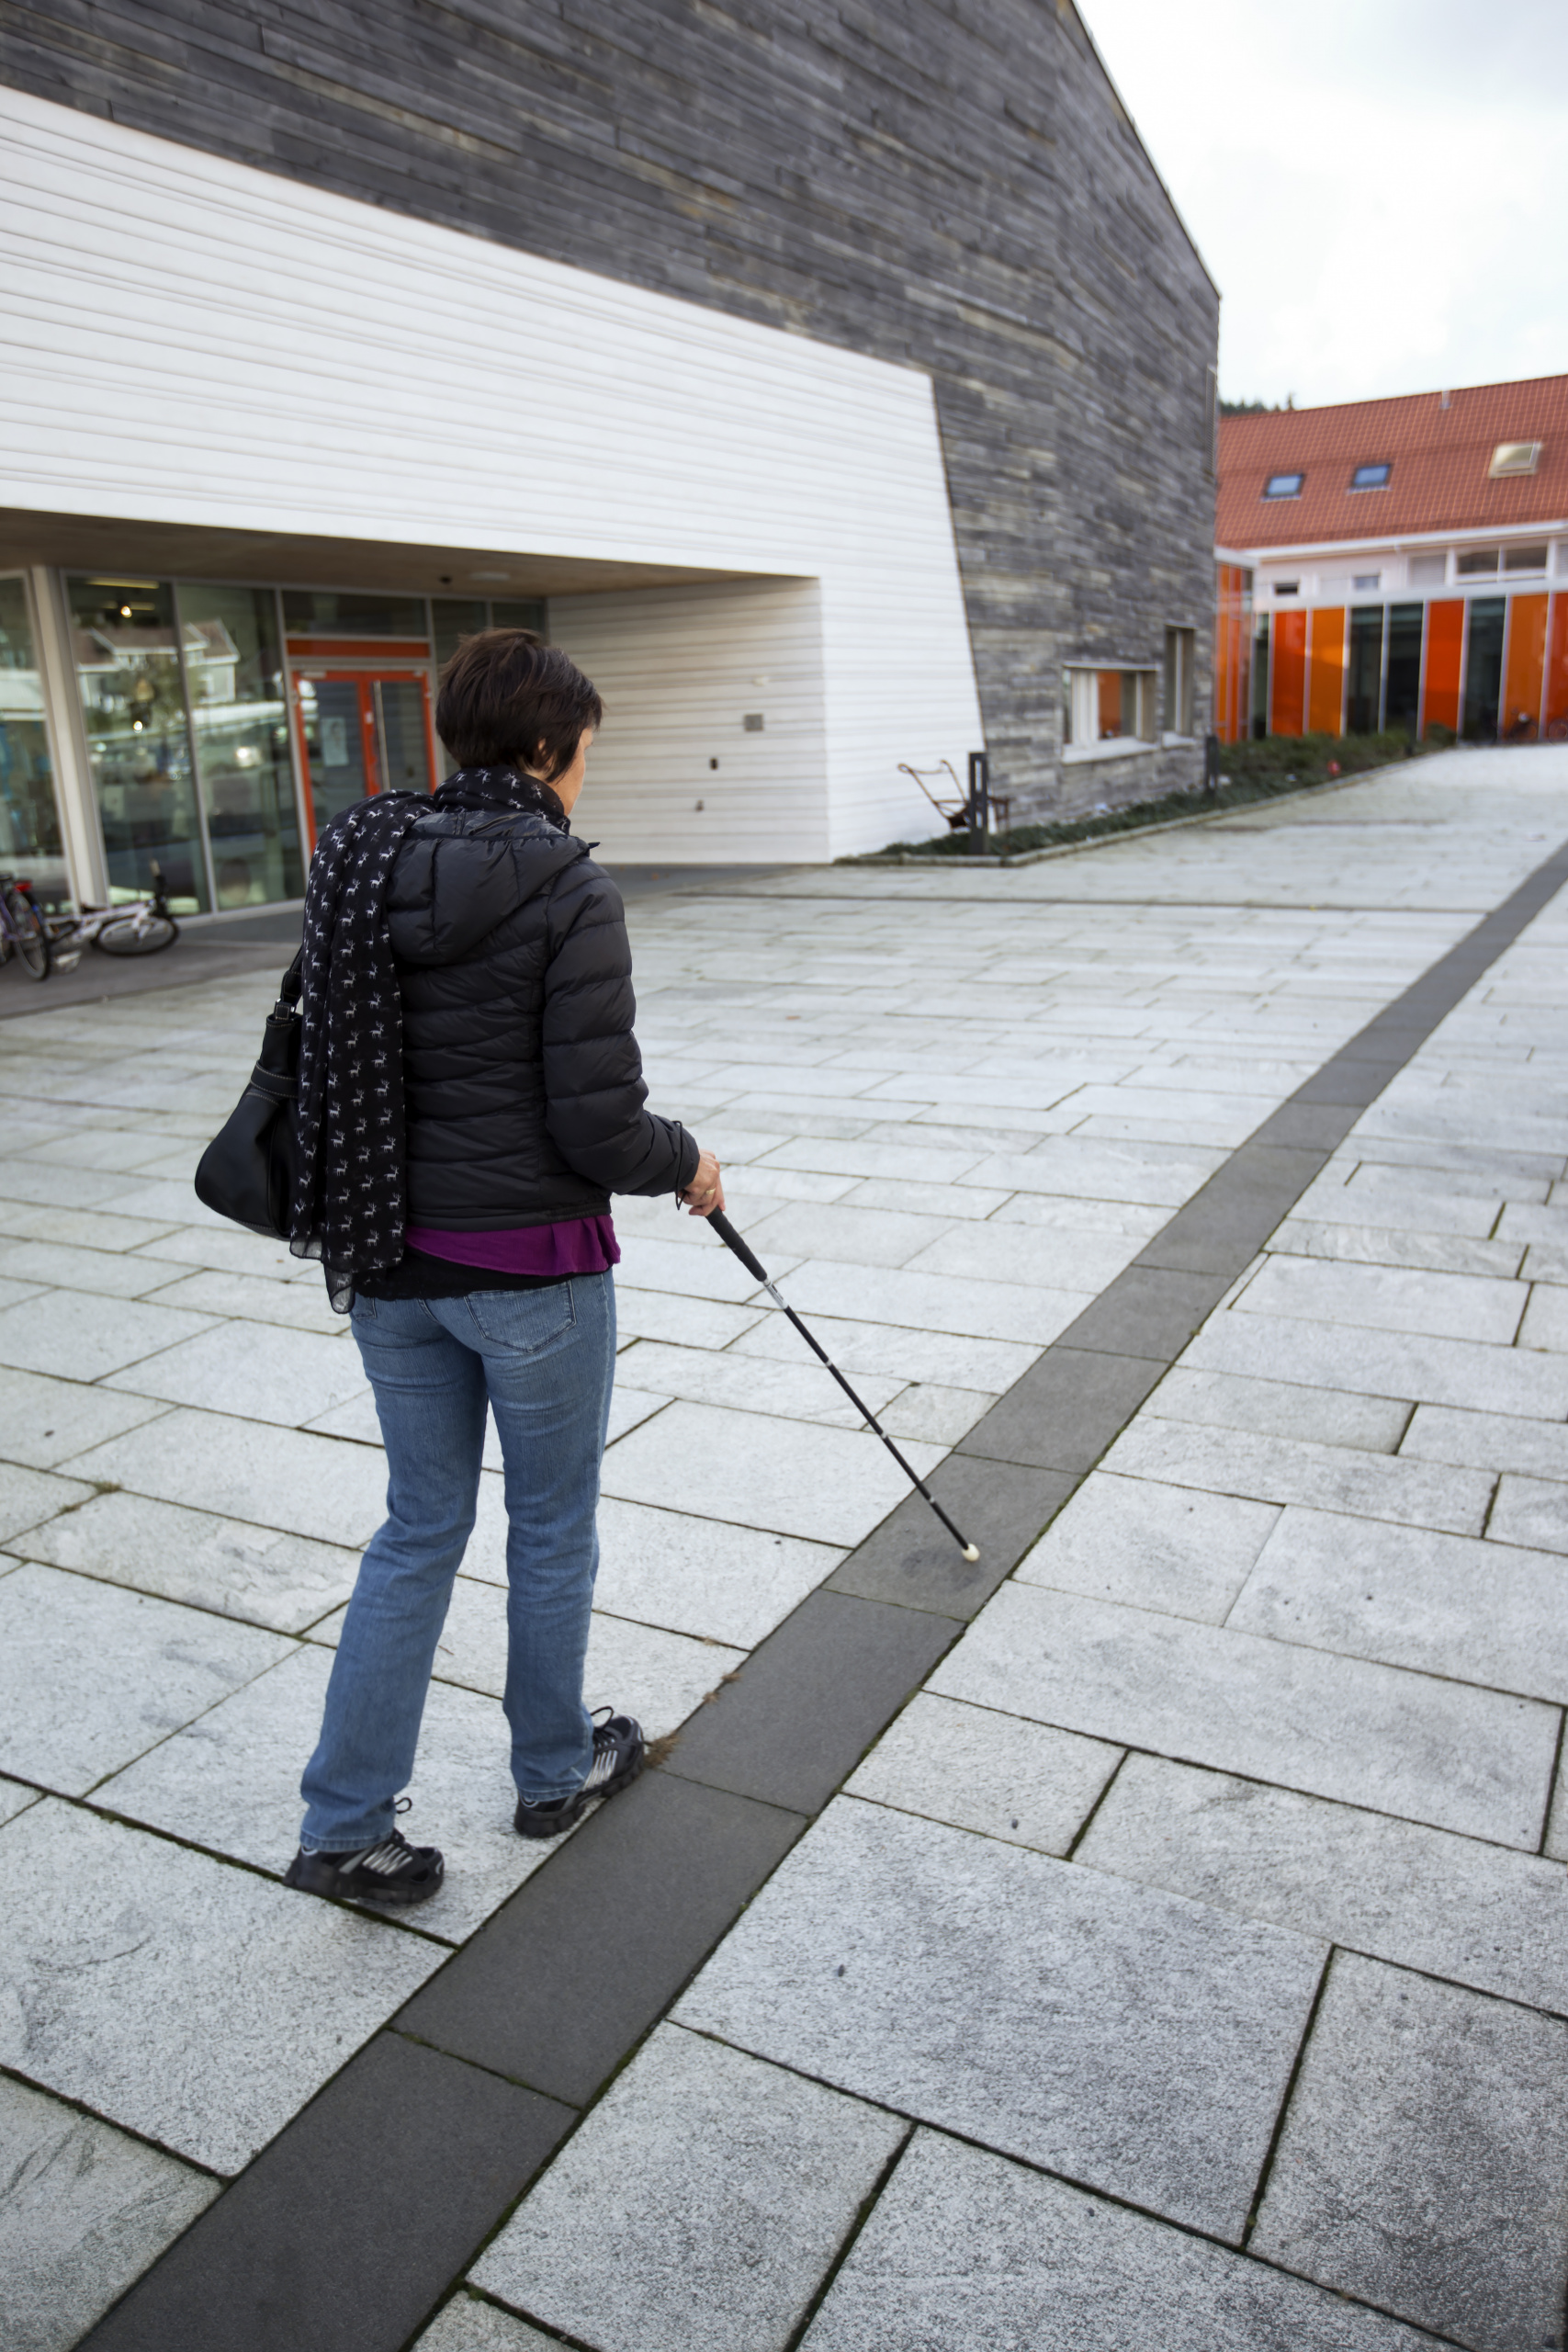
506,700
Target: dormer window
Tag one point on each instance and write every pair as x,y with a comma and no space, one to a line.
1371,477
1513,457
1284,486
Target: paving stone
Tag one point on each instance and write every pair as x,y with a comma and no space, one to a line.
1402,1743
1149,1311
863,1347
1050,1257
49,1263
1065,1412
251,1470
135,1669
939,1414
230,1782
1293,1470
858,1964
15,1798
413,2156
1154,1546
799,1390
829,1485
1532,1511
73,1188
1546,1320
1452,1907
1402,1200
28,1497
700,1577
82,1336
1482,1612
1424,2163
979,1771
1282,1409
926,1302
44,1421
1385,1364
193,1557
541,1996
1157,1175
227,1250
193,2003
1377,1245
698,2207
259,1370
254,1298
467,2325
1059,1211
913,1561
1388,1298
686,1322
965,2248
84,2211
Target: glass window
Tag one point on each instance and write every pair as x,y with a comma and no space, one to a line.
519,612
1364,679
354,612
1260,678
1366,584
1402,697
1483,668
1514,457
134,707
455,617
1371,477
1476,562
30,842
1428,571
1284,486
1287,587
240,726
1176,711
1523,559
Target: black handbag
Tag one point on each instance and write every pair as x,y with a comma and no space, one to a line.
247,1170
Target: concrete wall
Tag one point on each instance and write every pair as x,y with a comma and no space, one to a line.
948,183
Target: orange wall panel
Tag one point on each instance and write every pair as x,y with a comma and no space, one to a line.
1557,663
1287,682
1325,690
1526,663
1233,650
1445,645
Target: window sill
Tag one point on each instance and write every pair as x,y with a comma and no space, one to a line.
1115,747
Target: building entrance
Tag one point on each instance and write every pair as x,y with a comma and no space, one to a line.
361,732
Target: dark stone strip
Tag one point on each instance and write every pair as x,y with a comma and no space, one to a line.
348,2229
350,2225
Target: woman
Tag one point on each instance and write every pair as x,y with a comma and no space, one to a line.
470,1095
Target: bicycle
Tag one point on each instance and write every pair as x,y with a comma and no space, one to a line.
139,929
23,931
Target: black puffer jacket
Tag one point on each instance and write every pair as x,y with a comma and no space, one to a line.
522,1080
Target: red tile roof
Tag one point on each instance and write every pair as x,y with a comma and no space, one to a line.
1440,455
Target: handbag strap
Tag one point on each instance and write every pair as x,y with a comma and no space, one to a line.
291,988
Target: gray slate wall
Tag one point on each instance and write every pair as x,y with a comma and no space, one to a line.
951,182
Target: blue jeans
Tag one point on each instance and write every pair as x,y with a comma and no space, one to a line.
543,1361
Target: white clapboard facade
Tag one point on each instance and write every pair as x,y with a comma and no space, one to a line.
193,346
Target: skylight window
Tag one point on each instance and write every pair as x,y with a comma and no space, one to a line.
1514,457
1284,486
1371,477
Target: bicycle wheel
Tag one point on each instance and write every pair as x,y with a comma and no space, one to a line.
137,934
33,939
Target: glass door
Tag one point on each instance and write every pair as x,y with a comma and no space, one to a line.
362,731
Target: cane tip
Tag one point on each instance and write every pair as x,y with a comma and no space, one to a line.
971,1550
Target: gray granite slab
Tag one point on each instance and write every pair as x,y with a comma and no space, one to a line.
230,1782
320,1487
467,2325
1386,1244
1532,1511
91,1674
698,2207
1401,1743
1384,1364
1134,2041
965,2252
700,1576
83,2209
1018,1781
29,1496
14,1797
1282,1409
1477,1611
192,2002
1293,1470
83,1336
1155,1546
257,1573
259,1371
1488,1442
1454,1907
1424,2162
43,1422
1388,1298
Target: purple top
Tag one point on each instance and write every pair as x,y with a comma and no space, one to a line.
577,1245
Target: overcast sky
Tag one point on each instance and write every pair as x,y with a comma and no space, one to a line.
1376,186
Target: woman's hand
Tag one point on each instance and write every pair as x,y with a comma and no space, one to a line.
704,1192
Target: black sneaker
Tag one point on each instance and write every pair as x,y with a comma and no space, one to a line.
619,1753
390,1871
